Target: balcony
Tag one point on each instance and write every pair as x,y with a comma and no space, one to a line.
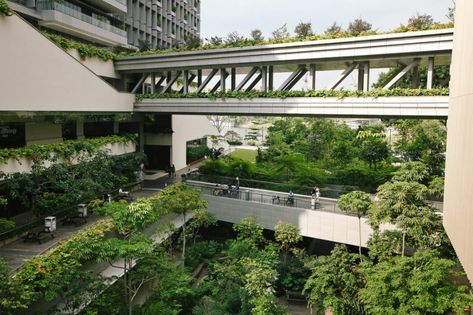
114,6
68,18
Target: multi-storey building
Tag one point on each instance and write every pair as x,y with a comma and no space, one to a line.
124,23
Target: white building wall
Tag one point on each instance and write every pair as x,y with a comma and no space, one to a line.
187,127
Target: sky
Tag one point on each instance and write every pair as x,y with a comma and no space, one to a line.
220,17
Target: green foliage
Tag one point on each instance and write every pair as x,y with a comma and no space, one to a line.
84,50
355,202
421,284
196,153
67,150
249,229
287,234
335,282
5,9
411,172
13,296
358,27
202,251
303,30
436,186
340,94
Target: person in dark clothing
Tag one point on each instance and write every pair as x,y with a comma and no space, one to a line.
173,170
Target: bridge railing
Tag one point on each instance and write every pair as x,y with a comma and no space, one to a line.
276,198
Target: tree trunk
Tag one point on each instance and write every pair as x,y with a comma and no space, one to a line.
130,294
359,235
184,240
403,242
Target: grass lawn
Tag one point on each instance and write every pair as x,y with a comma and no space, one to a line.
245,154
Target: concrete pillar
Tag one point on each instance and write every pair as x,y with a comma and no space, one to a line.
233,79
199,77
270,78
222,80
141,133
312,69
153,83
186,81
80,129
264,78
115,127
430,73
415,77
363,76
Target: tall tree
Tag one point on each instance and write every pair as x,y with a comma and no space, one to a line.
257,35
287,235
219,122
358,27
356,202
183,202
420,21
280,32
421,284
234,38
335,282
333,29
303,30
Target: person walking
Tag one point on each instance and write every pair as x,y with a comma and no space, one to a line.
173,170
317,194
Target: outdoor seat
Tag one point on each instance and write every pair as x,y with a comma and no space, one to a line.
38,234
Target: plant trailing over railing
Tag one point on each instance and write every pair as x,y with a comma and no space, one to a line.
65,149
5,9
317,93
84,50
250,42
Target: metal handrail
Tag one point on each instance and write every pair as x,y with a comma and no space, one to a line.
76,12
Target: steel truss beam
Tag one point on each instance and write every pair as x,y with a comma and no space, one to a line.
293,78
345,73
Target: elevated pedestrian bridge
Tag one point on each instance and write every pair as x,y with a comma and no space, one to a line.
254,68
325,222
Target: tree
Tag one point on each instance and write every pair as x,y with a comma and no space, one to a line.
421,284
356,202
13,296
405,205
201,219
411,172
287,235
280,32
257,35
374,150
144,45
215,40
249,229
183,202
436,186
219,122
303,30
232,136
193,42
421,21
335,282
358,27
451,12
334,29
234,38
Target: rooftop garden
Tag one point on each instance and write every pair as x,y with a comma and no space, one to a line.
303,32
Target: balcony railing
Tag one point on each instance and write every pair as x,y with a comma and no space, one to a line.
75,11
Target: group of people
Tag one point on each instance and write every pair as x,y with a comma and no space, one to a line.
226,190
315,197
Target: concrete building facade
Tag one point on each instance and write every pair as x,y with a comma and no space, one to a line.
458,212
155,24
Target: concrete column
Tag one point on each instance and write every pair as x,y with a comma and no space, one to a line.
115,127
264,78
222,80
80,129
430,73
312,69
199,77
233,79
153,83
270,78
366,76
186,81
141,133
415,77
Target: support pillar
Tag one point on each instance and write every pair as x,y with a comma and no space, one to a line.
264,78
363,76
186,81
233,79
312,69
199,77
270,78
430,73
153,83
222,79
415,77
142,133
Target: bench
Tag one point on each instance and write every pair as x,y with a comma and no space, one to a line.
295,296
37,235
75,219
